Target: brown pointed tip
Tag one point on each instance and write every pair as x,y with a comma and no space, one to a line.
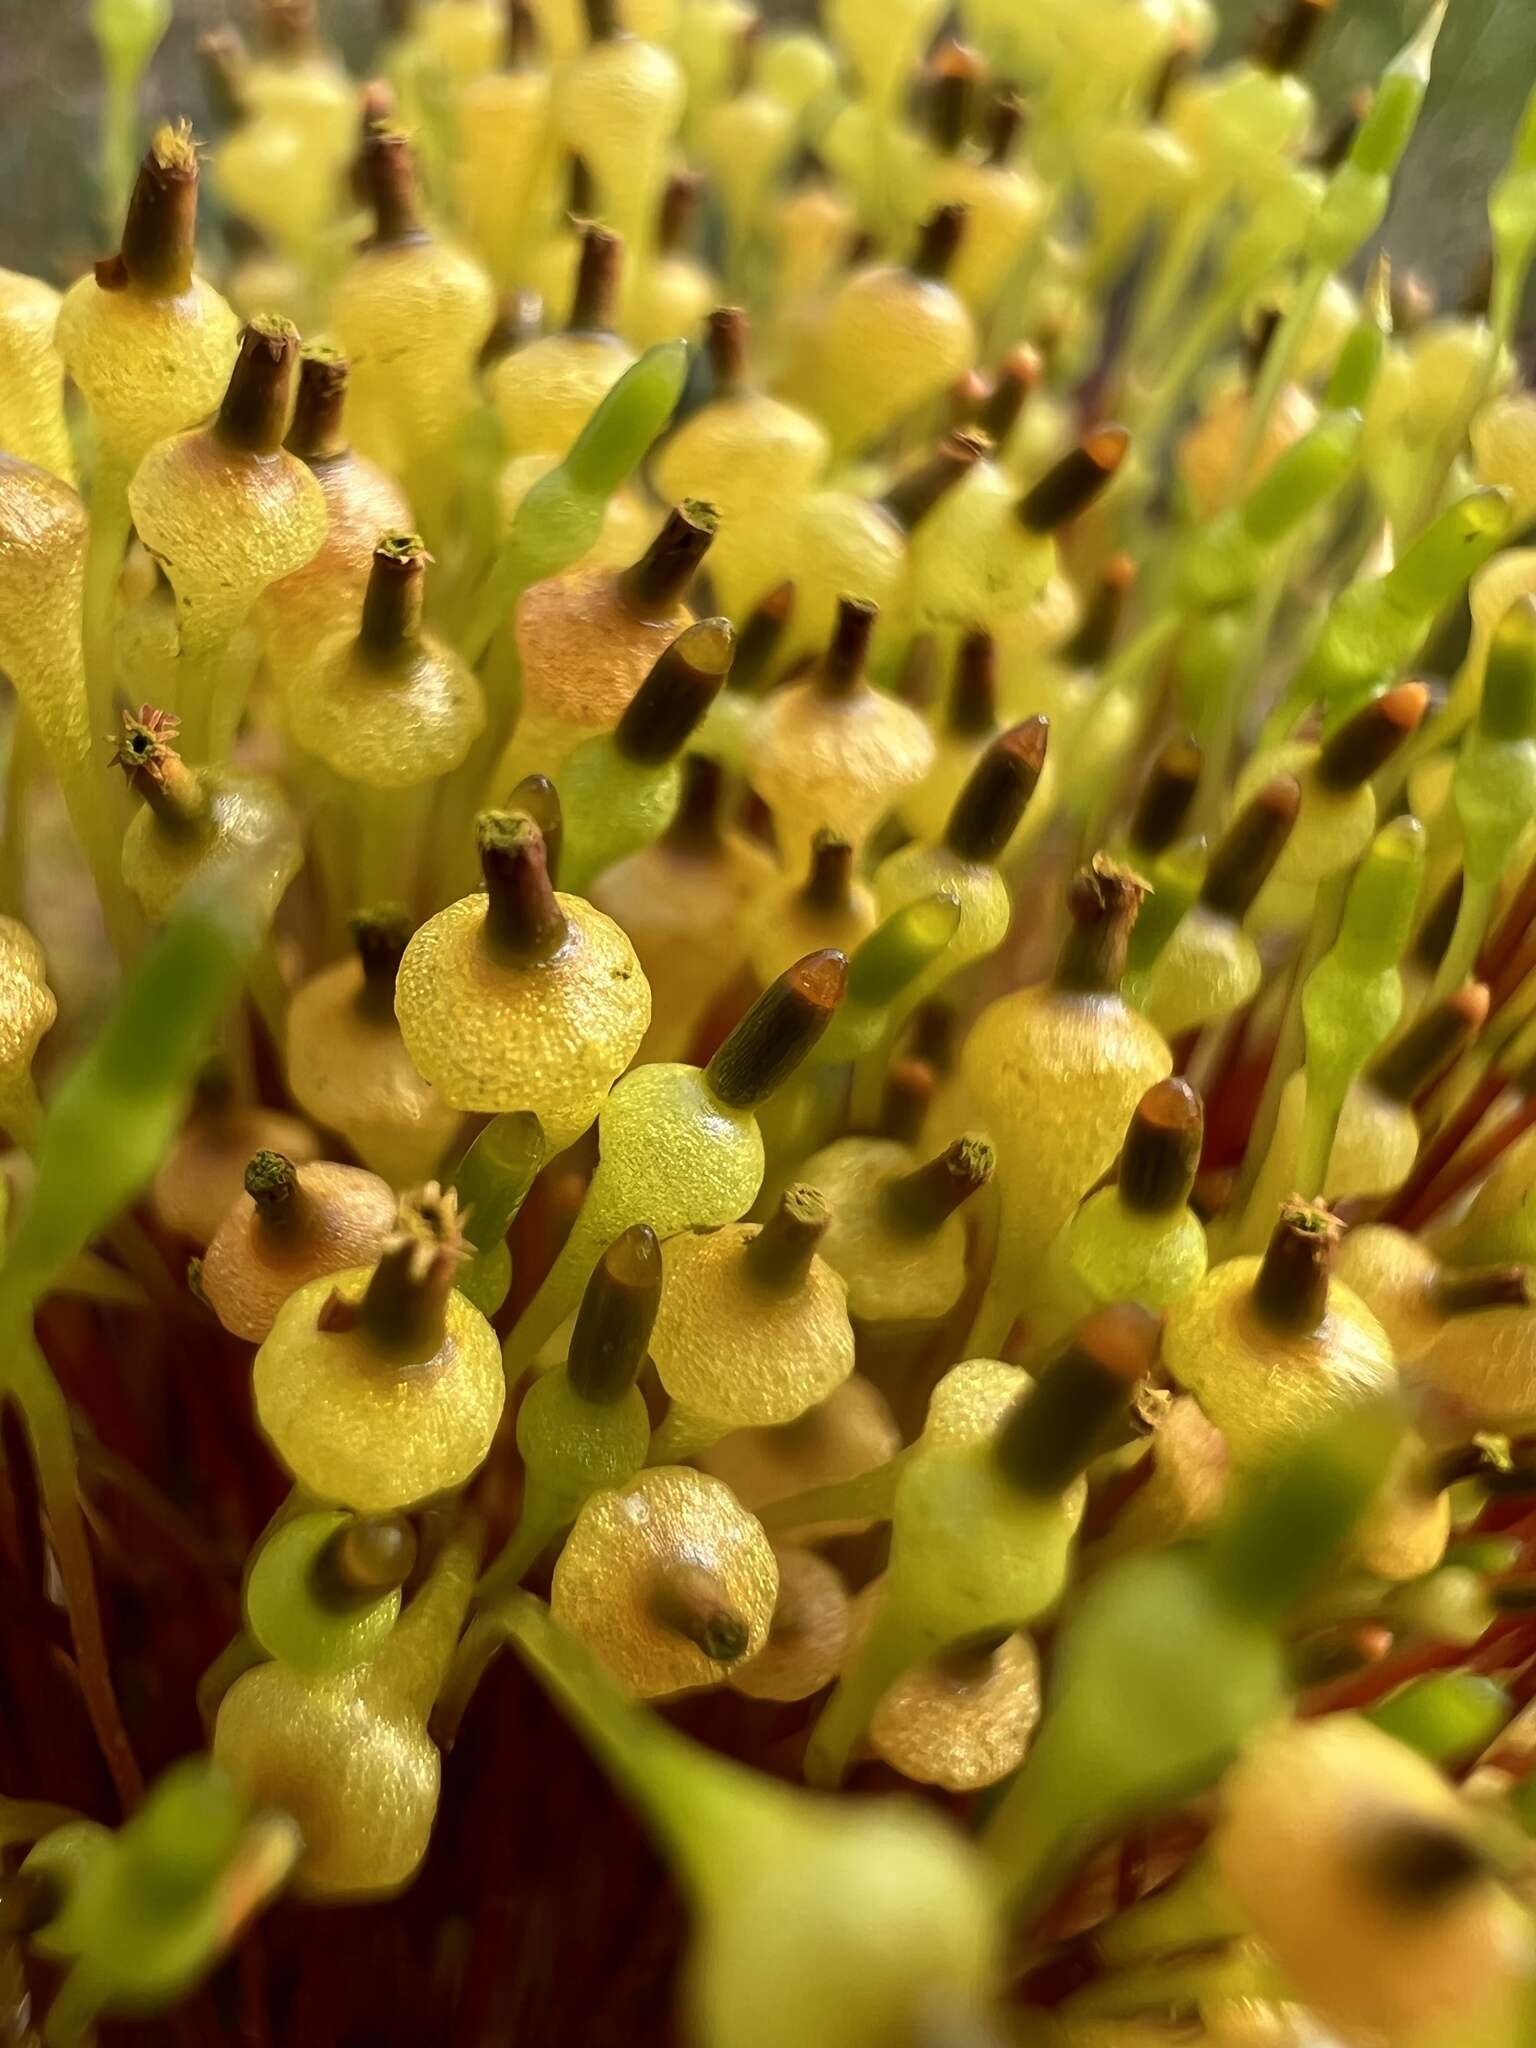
917,490
683,683
954,59
1468,1290
614,1321
1019,376
1061,1423
594,301
1245,855
1161,1155
1166,796
1070,487
779,1030
317,430
1471,1003
653,587
1285,40
1290,1290
725,341
919,1201
372,1556
841,667
988,810
904,1100
1368,741
523,921
538,796
939,242
1103,900
387,174
1435,1037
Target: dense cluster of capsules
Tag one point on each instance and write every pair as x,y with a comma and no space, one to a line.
820,835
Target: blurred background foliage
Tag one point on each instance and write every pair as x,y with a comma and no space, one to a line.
48,104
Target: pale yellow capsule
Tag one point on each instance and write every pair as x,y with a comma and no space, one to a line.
961,1721
545,394
669,1580
502,122
348,1067
361,504
27,1012
851,1433
619,104
147,342
808,1635
1271,1347
522,999
203,1174
835,752
380,1388
826,906
900,1262
32,424
1359,1867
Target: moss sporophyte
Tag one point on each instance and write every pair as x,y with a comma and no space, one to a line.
768,1013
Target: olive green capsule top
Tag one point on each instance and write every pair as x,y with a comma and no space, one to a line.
382,1387
347,1065
148,343
834,752
753,1328
668,1579
291,1225
347,1752
195,819
1209,967
1272,1346
522,998
386,704
1138,1240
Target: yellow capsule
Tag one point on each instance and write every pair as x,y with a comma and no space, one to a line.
894,339
1403,1533
1054,1073
808,1635
361,503
1361,1870
751,457
698,877
619,103
743,142
411,314
349,1755
897,1237
961,1721
669,1580
32,424
226,510
382,1387
194,819
347,1065
1005,208
203,1174
463,39
669,294
283,163
291,1225
1209,456
545,394
1503,439
502,128
828,906
882,42
753,1326
835,752
385,703
589,638
852,1433
1272,1346
146,341
27,1012
522,999
44,536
